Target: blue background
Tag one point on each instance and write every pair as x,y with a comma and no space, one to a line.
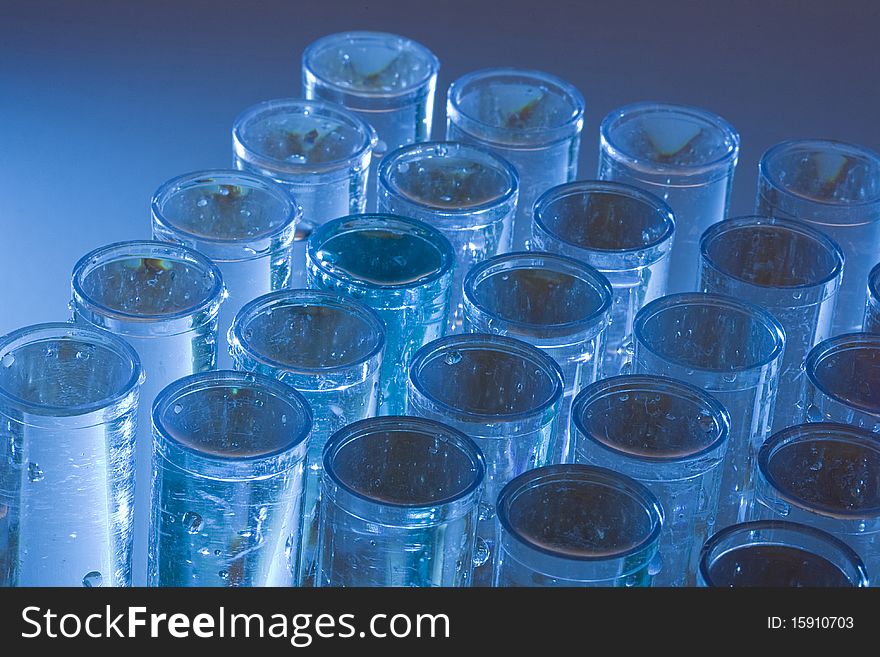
101,102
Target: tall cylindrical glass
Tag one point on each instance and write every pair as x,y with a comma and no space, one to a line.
244,223
467,193
827,476
555,303
503,393
872,308
402,269
229,449
327,346
530,118
386,79
785,267
399,504
319,151
833,187
164,300
623,232
669,436
843,381
68,419
776,553
686,156
731,349
576,525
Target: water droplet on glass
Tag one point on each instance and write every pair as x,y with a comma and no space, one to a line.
707,422
217,553
7,360
193,522
224,574
202,202
452,357
177,408
93,580
283,419
481,552
35,473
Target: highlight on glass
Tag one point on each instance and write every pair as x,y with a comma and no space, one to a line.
319,151
503,393
835,188
843,381
388,80
872,308
399,504
669,436
532,119
577,525
402,269
825,475
68,419
730,349
555,303
466,192
686,156
780,554
246,224
229,450
327,346
787,268
623,232
163,299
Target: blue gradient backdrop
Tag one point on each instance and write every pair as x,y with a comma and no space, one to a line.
102,101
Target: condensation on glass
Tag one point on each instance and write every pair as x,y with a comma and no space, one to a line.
68,419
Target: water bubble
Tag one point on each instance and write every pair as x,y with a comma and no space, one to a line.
814,414
403,167
217,553
193,522
202,202
624,396
92,580
452,357
224,574
481,552
706,422
288,547
205,552
35,472
730,377
7,360
177,408
283,419
72,535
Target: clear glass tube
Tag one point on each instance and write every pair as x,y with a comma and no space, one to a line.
559,305
576,525
399,504
163,299
835,188
669,436
530,118
785,267
775,553
244,223
466,192
872,308
327,346
229,449
843,381
827,476
319,151
623,232
731,349
386,79
68,418
402,269
503,393
687,157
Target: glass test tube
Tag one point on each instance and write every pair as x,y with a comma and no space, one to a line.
785,267
623,232
576,525
503,393
827,476
402,269
68,419
399,504
776,553
835,188
319,151
687,157
227,481
244,223
669,436
555,303
530,118
731,349
327,346
843,381
163,299
467,193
